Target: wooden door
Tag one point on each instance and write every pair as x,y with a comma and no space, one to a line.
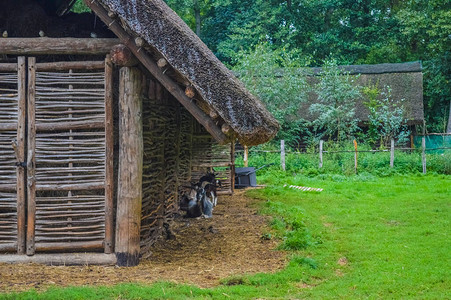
67,192
12,156
70,161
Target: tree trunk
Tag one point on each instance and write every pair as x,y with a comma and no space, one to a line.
197,16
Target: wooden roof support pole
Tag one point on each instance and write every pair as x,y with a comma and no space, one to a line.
129,193
151,65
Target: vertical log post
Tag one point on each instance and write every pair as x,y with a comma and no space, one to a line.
246,156
356,155
321,143
232,167
129,195
282,154
423,153
392,153
109,167
31,171
21,189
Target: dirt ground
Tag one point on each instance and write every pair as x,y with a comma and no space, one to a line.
203,252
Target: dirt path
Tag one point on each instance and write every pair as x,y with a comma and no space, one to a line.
204,251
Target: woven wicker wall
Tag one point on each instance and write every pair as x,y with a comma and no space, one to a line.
177,151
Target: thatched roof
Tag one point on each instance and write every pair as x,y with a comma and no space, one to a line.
170,38
404,79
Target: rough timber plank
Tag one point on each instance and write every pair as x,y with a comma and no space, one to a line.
56,46
66,259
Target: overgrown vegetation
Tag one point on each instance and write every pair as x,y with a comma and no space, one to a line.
386,118
335,111
362,237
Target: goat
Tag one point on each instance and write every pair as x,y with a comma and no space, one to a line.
210,184
201,198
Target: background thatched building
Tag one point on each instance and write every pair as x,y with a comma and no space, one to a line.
99,134
404,79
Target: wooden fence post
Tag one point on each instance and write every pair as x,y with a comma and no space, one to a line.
392,153
321,142
246,156
355,156
423,154
282,154
129,193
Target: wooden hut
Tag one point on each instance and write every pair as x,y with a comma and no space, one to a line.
99,135
404,79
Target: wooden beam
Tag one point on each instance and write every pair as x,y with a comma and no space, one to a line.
70,125
56,46
122,56
8,127
72,246
21,139
129,192
66,259
109,166
10,247
151,65
70,65
31,157
8,67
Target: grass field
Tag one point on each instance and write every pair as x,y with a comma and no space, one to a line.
362,237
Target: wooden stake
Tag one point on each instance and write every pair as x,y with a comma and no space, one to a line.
109,167
392,153
129,194
21,188
246,156
232,167
355,156
282,154
31,171
423,153
321,142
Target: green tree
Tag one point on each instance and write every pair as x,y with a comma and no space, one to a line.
335,111
386,116
278,78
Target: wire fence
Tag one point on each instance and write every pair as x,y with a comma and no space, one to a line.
320,153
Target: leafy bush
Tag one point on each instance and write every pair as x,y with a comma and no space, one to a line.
335,110
386,118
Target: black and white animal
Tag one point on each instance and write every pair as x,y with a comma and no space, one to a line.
201,197
211,184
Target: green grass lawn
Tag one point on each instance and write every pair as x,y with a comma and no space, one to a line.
362,237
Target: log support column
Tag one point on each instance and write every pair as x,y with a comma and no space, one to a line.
129,198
